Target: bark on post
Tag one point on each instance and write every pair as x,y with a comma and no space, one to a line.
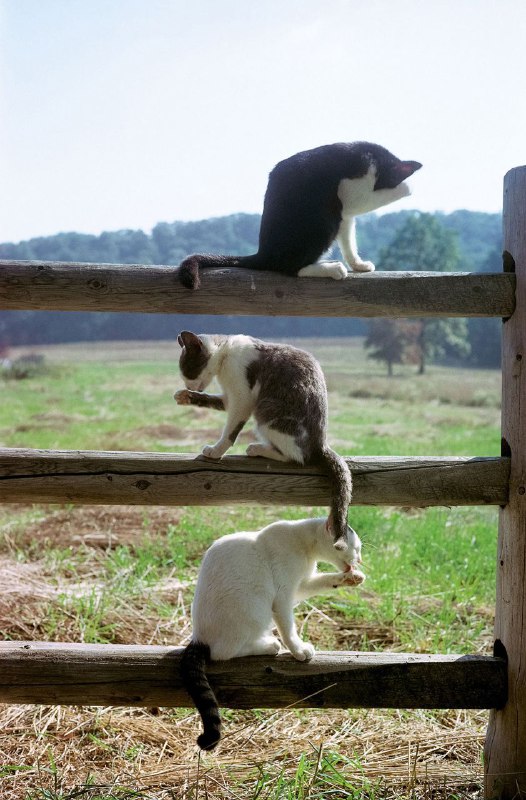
505,751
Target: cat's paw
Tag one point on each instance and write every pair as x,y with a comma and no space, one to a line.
363,266
212,451
305,652
255,449
183,397
354,577
337,271
272,646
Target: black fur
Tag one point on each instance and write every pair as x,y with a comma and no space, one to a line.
302,210
193,662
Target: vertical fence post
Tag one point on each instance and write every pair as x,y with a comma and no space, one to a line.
505,750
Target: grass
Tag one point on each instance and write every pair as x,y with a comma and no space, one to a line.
125,574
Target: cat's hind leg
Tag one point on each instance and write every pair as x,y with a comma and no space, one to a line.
275,445
324,269
265,646
265,450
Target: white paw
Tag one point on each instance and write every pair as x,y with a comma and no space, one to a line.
363,266
338,271
182,397
273,647
305,652
353,578
212,451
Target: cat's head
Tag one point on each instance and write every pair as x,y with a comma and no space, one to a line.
194,361
346,550
390,170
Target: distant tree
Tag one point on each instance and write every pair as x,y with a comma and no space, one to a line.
478,236
392,340
423,243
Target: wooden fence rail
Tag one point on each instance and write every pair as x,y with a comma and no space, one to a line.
52,476
58,286
130,675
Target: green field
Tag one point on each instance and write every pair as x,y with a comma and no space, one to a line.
125,574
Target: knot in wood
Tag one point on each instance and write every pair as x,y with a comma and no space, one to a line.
97,284
142,484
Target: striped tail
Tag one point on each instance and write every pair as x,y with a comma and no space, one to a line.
189,268
341,482
193,661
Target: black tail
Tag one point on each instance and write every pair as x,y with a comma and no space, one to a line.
189,268
193,662
341,481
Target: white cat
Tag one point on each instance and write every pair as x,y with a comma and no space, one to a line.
249,582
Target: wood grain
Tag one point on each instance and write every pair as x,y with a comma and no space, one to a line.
60,286
505,751
54,476
134,675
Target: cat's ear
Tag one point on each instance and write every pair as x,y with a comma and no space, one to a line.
406,168
189,340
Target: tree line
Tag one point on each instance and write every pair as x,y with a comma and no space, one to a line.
462,240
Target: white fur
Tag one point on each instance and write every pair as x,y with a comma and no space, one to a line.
357,196
228,363
250,581
324,269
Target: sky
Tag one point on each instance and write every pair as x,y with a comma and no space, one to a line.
124,113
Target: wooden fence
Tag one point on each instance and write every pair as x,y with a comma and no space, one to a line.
34,672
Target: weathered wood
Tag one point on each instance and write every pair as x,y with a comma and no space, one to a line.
58,286
54,476
505,752
133,675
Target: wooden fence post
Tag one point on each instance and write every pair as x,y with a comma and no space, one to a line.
505,751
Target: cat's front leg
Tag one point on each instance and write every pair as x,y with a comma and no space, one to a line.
237,418
282,611
325,581
187,397
346,239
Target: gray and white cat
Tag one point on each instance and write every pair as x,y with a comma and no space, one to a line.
249,582
283,388
312,199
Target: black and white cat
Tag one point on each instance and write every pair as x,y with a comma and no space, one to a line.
283,388
312,198
249,582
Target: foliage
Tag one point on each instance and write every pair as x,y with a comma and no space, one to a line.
476,237
424,243
392,340
421,243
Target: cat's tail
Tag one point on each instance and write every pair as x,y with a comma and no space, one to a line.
341,482
193,661
189,268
